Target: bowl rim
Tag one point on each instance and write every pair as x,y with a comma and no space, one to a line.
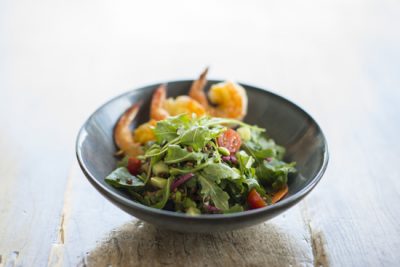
136,205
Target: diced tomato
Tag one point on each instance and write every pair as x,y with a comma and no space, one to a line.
230,139
254,200
134,165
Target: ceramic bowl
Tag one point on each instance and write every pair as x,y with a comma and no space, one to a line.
285,122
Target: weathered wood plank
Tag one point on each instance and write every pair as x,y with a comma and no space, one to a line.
356,207
33,168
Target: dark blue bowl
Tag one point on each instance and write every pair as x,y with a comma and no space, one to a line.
285,122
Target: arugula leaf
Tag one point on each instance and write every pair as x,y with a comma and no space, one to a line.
212,121
121,178
164,194
275,172
167,130
182,120
245,162
155,149
198,136
218,196
220,171
177,154
236,190
266,153
261,147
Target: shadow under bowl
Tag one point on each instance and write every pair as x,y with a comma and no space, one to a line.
286,123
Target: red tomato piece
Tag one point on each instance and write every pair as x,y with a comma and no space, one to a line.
134,165
254,200
230,139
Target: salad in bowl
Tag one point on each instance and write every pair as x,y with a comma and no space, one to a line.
196,156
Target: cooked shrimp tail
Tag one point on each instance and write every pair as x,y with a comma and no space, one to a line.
123,135
161,107
197,89
229,99
157,111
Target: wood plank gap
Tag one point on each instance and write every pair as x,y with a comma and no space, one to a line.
56,254
320,256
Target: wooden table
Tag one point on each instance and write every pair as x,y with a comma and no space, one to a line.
59,60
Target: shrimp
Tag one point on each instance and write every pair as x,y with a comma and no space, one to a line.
183,104
157,111
123,135
161,107
197,89
230,98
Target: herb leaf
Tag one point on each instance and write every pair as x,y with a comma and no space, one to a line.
167,130
121,178
177,154
198,136
220,171
275,172
245,162
261,147
218,196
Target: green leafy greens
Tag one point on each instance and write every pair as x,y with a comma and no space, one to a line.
121,178
218,196
187,169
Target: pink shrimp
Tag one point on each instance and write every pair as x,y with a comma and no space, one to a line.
230,98
123,134
161,107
